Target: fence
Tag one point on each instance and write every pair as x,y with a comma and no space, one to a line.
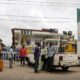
5,55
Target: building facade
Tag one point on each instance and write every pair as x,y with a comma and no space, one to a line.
30,37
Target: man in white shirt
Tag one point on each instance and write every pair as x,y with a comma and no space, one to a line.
11,53
51,52
43,57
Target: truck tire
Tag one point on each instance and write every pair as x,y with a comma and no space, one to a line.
65,68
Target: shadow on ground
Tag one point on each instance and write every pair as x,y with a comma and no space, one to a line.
60,71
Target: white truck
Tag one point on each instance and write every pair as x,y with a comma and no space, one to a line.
64,60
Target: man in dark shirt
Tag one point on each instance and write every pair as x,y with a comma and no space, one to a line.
36,57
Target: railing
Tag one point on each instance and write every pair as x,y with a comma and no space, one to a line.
5,55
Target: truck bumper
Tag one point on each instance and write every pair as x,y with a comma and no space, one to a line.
69,63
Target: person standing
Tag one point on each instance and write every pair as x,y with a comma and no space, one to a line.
11,53
36,57
51,52
43,57
22,55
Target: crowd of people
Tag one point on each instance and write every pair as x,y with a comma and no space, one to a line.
47,56
43,56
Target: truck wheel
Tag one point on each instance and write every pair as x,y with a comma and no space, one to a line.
65,68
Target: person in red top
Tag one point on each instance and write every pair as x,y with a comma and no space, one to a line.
22,55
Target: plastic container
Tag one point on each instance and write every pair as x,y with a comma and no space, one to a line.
1,65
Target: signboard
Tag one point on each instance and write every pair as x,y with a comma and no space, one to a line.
78,23
78,30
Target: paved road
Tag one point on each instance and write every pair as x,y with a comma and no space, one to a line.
27,73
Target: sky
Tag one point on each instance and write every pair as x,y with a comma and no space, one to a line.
37,14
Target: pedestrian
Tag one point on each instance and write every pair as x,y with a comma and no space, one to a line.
43,57
36,57
51,52
22,55
11,58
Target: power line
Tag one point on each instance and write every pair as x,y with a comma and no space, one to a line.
26,1
38,21
37,17
40,4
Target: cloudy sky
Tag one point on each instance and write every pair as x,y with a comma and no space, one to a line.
37,14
